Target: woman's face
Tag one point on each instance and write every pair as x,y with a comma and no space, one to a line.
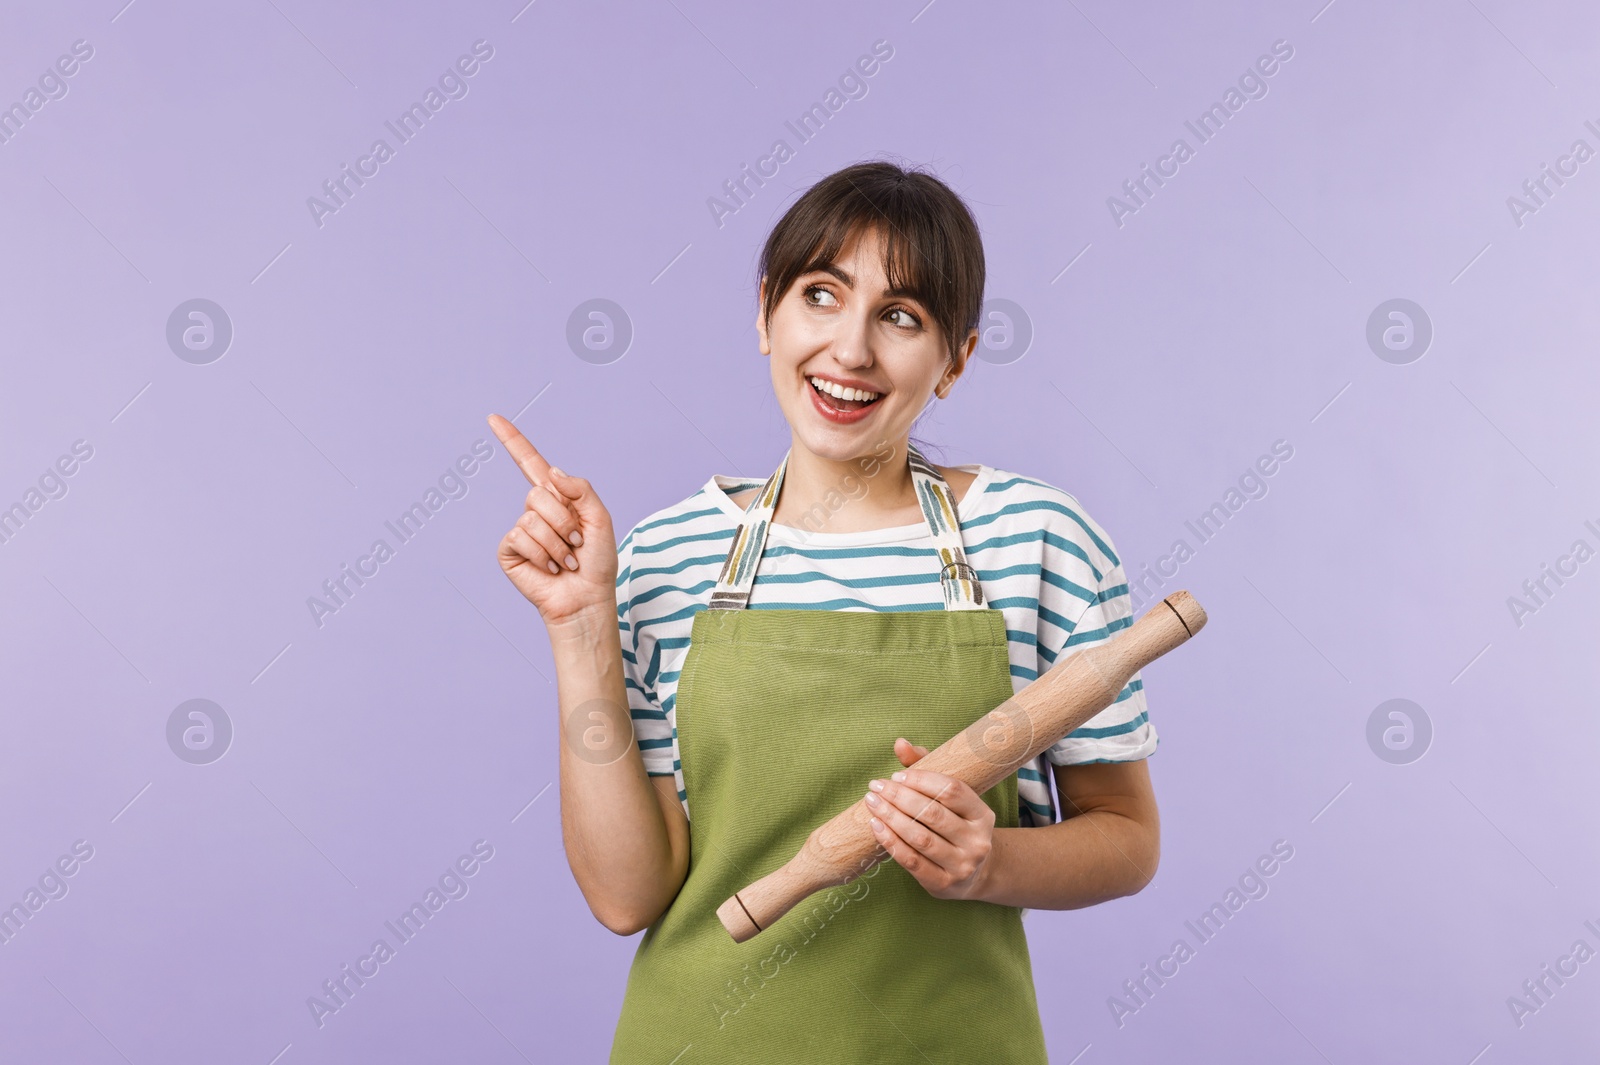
843,326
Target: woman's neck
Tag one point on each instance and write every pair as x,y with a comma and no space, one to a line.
854,495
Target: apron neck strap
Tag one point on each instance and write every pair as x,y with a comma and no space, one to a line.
957,579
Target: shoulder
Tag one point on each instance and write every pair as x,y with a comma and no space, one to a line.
1011,502
698,513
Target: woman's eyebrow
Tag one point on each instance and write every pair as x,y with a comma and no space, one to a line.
830,268
850,282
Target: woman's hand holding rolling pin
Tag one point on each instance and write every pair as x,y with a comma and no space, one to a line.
562,552
934,826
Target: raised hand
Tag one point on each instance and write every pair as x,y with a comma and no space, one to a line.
562,519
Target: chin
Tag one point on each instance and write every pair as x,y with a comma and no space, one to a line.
839,446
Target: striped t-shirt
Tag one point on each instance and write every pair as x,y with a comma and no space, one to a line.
1043,562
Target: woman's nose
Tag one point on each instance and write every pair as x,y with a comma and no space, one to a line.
852,346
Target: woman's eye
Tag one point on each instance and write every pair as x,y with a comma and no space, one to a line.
907,318
819,291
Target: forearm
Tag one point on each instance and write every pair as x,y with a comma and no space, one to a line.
1091,858
618,842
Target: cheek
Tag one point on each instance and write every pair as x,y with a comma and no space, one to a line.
914,381
789,335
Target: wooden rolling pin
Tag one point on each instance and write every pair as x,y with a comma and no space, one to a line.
982,754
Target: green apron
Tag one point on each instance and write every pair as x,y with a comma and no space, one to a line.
783,716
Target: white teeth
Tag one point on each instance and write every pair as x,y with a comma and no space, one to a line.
840,391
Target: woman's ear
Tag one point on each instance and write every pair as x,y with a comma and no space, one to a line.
957,366
761,318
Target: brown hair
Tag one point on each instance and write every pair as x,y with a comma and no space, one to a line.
932,247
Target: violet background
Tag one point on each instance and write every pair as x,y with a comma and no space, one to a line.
1227,313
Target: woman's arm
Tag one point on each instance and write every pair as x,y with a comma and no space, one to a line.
1107,845
625,833
626,839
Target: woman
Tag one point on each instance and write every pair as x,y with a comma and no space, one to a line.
787,644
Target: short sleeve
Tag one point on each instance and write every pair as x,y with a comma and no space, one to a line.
651,729
1122,731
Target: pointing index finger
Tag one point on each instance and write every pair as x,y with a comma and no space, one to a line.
524,454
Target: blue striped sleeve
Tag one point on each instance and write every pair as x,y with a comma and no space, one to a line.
1121,732
651,730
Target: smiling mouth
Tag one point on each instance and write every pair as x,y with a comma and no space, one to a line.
840,403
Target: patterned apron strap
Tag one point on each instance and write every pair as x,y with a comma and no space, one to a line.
957,579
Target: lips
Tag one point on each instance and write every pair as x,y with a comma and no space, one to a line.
838,411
